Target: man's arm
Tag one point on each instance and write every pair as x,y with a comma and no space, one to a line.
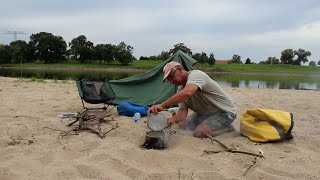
179,97
179,116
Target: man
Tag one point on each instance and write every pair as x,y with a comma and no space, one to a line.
214,110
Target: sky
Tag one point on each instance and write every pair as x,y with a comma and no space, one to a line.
255,29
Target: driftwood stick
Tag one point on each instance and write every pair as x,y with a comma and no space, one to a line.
213,139
74,121
249,153
228,149
234,151
113,128
98,132
251,165
79,115
92,122
64,146
67,132
86,117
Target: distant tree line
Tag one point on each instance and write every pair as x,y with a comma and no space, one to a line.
200,57
48,48
288,56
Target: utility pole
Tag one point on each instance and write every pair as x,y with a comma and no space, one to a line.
14,34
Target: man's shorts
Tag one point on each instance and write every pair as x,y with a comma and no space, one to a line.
215,121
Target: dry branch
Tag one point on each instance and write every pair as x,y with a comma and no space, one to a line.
251,165
232,150
91,121
228,149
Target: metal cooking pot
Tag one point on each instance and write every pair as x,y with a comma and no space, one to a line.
157,139
157,122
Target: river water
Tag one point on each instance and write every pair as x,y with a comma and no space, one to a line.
272,81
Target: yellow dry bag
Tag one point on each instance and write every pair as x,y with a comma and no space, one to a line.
266,125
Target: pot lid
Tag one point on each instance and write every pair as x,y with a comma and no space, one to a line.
157,122
154,134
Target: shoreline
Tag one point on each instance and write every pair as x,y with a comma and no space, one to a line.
142,70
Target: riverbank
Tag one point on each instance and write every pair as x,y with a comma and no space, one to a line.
142,70
145,65
29,115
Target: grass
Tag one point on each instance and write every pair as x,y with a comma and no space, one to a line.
92,64
14,140
272,68
148,64
37,80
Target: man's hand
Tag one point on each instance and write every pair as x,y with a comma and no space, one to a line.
155,109
171,121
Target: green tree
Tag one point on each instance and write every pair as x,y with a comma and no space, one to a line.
124,53
182,47
211,59
312,63
272,60
302,56
110,51
203,57
164,55
200,57
143,58
287,56
5,56
99,52
18,51
248,61
196,56
105,52
235,59
262,62
81,49
47,47
153,57
319,63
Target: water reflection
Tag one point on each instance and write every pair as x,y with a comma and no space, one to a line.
268,81
225,80
63,74
269,85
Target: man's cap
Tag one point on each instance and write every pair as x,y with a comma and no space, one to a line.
168,68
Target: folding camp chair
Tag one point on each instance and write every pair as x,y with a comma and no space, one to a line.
89,94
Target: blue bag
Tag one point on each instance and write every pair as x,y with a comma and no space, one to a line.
128,109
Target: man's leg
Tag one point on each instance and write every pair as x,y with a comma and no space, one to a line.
215,125
188,123
203,129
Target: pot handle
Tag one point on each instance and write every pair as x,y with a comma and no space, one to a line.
171,132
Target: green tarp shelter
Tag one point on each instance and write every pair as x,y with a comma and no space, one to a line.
147,88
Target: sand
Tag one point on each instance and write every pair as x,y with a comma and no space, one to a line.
29,115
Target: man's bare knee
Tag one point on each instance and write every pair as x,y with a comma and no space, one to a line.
199,134
201,131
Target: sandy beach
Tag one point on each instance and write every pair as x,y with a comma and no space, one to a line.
30,146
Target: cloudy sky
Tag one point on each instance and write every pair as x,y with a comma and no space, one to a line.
256,29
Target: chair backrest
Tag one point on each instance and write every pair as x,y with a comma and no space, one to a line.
88,92
106,91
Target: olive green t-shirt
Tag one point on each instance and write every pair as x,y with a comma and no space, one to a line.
209,98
